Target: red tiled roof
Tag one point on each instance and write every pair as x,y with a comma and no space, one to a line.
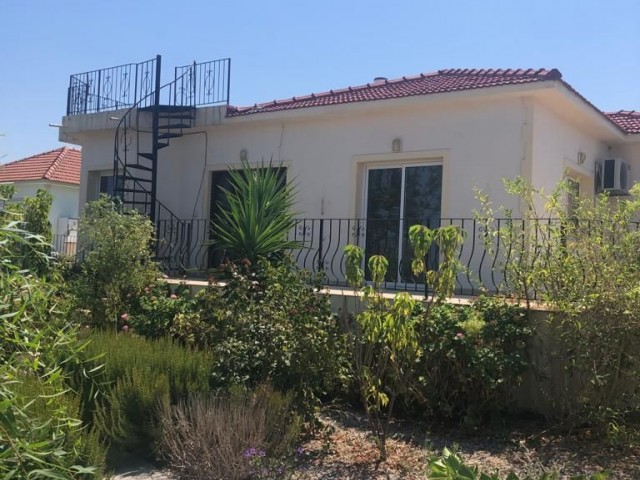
451,80
60,165
627,120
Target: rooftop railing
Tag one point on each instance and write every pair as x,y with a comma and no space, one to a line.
124,86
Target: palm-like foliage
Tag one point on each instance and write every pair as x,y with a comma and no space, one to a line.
259,214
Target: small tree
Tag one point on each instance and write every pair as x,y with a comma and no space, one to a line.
36,221
117,263
386,342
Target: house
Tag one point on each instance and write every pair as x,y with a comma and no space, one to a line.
57,172
367,160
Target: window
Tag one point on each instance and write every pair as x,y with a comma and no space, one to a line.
100,182
397,197
106,185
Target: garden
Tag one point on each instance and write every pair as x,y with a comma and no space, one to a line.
255,377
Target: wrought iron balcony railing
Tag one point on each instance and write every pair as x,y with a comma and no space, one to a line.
186,248
489,251
124,86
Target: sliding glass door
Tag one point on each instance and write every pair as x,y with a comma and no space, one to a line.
396,198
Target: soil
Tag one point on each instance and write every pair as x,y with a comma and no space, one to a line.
344,449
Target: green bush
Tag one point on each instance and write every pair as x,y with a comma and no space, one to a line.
584,265
36,221
40,433
44,404
472,357
387,345
153,313
33,251
138,378
268,324
116,263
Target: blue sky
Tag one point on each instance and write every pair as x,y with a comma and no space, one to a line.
280,49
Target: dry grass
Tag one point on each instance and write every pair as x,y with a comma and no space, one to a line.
207,438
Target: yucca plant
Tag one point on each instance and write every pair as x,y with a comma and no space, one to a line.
259,214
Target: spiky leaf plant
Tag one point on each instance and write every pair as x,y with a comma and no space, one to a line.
259,215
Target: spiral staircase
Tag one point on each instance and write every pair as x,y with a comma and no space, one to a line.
154,115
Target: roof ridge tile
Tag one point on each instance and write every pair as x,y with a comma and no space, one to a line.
54,165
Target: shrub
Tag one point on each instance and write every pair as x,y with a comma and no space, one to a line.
230,436
268,324
472,357
153,314
117,262
258,216
36,221
40,434
139,377
584,265
47,412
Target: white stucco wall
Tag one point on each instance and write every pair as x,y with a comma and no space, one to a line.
556,145
97,156
326,155
479,140
65,198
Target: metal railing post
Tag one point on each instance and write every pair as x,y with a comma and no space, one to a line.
99,91
194,72
228,80
320,235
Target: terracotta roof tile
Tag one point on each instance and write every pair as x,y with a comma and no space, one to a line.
627,120
451,80
60,165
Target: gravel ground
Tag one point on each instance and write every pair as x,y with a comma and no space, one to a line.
135,469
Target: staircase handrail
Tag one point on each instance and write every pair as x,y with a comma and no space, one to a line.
122,121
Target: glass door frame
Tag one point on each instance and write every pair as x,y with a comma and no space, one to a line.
403,165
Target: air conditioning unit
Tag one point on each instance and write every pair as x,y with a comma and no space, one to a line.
67,226
613,176
72,225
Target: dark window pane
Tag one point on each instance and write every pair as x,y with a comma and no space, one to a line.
106,185
384,192
388,226
422,201
422,193
609,173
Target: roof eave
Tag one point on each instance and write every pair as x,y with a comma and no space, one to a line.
39,181
457,96
597,118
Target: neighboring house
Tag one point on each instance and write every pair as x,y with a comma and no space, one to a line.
57,172
366,157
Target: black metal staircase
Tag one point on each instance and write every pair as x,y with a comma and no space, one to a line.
153,123
154,114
